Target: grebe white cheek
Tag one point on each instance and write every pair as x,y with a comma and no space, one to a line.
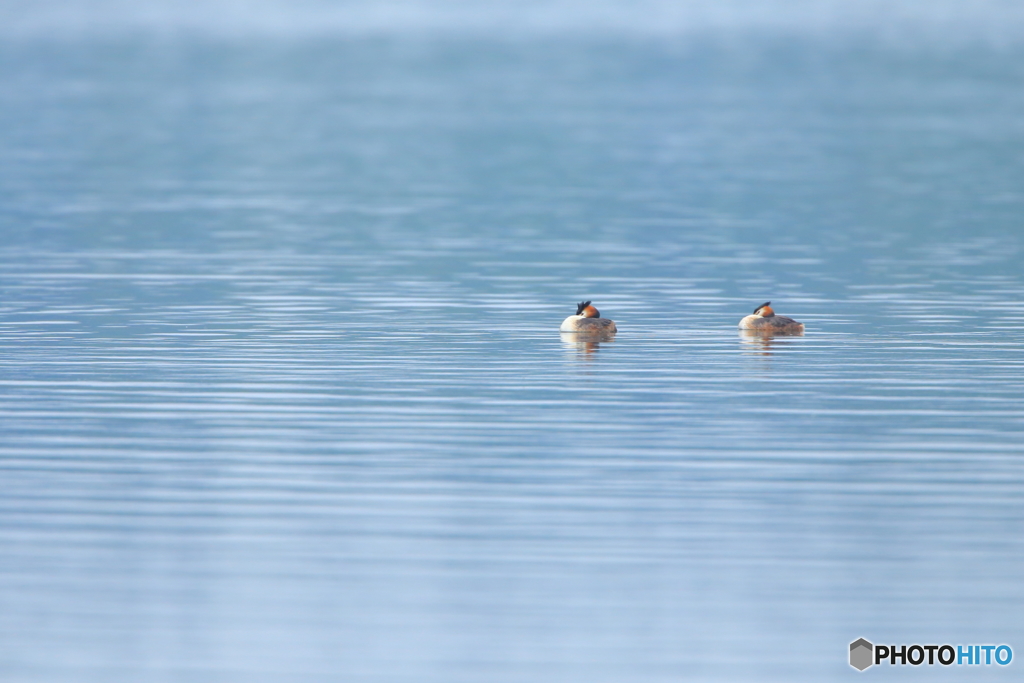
764,320
587,319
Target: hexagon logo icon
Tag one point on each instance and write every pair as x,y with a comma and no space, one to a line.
861,654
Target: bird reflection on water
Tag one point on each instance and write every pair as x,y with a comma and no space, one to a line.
586,343
760,343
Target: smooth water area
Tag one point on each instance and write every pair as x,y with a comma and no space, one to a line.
283,396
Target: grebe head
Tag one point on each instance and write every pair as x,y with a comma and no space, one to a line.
764,310
586,310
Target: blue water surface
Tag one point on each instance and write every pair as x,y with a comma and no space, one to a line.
283,396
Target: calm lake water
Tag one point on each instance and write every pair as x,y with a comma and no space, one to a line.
283,397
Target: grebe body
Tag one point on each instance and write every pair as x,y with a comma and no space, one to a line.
765,320
587,319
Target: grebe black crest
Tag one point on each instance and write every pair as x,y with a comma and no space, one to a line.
588,319
765,321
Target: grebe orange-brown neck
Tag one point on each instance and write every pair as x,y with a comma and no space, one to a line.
588,320
586,310
764,321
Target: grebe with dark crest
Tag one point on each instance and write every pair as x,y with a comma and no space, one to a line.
764,320
587,319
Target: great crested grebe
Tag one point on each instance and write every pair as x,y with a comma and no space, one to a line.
765,320
587,319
